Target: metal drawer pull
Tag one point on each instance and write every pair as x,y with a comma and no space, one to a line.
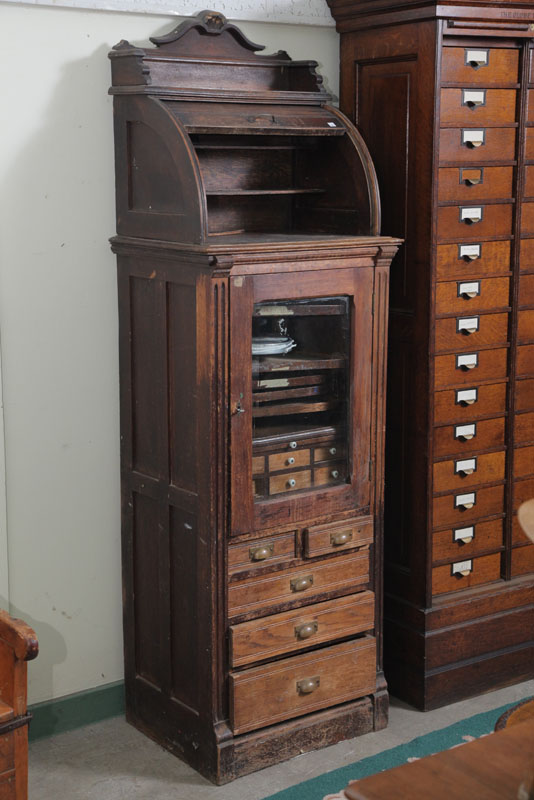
470,252
301,584
468,289
464,535
476,58
467,325
473,138
471,215
306,630
292,483
473,98
465,501
465,432
293,445
333,451
290,460
466,397
467,361
261,553
308,685
334,473
462,568
341,537
466,467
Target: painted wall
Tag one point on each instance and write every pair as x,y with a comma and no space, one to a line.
58,328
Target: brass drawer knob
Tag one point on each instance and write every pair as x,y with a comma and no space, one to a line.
301,584
306,630
262,552
308,685
341,537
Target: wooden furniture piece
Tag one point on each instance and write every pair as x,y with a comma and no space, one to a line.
247,220
493,767
18,644
444,95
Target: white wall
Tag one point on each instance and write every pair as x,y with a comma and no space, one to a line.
58,328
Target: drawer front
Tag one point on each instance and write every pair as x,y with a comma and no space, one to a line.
523,462
524,395
290,481
279,461
259,594
467,541
468,331
464,261
527,219
526,290
333,473
450,510
294,686
336,537
523,490
458,473
468,185
261,552
518,534
488,65
330,453
524,428
291,631
474,221
459,369
472,294
523,560
468,437
529,143
483,401
7,752
527,255
496,144
258,465
529,178
525,359
484,569
477,107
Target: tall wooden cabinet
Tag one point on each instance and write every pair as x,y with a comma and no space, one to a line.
253,312
444,96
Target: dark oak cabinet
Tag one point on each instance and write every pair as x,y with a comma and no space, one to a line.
444,95
253,291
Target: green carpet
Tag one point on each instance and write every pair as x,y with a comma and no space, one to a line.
335,781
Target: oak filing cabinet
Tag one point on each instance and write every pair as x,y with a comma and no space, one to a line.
444,95
253,313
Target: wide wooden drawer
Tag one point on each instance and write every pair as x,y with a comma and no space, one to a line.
294,686
294,630
470,331
499,65
260,552
472,294
496,144
526,290
524,395
474,221
467,540
469,368
525,360
465,573
523,462
305,583
477,106
525,326
449,405
469,185
524,428
464,261
469,436
466,470
527,219
523,560
338,536
461,508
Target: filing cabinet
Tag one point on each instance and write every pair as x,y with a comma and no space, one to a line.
444,95
253,318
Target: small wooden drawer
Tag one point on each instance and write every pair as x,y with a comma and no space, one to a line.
295,458
526,262
479,65
477,106
465,573
522,560
523,490
529,143
291,631
479,401
469,436
474,221
338,536
7,753
472,294
472,260
527,219
525,360
471,330
467,470
523,462
518,534
273,550
329,453
299,584
468,185
459,509
524,428
333,473
468,540
525,326
526,290
524,395
299,685
476,145
529,178
290,481
466,368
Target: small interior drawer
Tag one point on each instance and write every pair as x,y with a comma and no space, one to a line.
296,458
523,560
481,401
450,510
471,330
291,631
470,368
337,536
299,685
467,470
496,144
450,578
261,552
467,540
477,106
333,473
329,453
467,437
469,295
479,65
464,261
468,185
290,481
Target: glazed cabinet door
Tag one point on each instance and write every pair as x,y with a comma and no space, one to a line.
300,396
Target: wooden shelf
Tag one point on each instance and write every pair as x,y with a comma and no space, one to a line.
285,409
249,192
296,363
